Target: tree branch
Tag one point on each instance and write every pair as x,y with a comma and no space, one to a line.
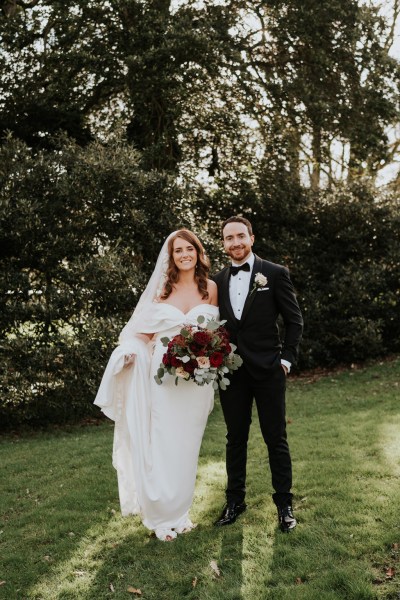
10,7
390,39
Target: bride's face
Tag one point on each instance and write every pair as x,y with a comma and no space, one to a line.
184,254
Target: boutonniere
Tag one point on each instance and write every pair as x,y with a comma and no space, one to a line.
260,281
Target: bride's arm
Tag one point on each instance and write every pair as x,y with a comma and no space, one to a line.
213,292
146,337
129,359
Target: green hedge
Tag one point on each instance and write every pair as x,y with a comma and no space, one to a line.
79,233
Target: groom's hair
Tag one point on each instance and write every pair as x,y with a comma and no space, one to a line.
237,219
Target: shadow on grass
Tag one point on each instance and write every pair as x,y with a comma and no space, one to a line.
346,469
172,571
122,554
53,491
86,550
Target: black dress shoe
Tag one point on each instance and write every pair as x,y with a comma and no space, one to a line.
230,513
287,522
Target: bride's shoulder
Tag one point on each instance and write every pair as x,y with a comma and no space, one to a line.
157,302
212,290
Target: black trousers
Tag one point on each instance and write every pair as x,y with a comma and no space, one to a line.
237,402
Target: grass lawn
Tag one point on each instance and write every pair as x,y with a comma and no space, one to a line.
62,537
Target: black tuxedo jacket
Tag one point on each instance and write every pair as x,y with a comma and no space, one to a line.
256,334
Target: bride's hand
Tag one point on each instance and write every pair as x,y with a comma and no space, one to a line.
129,359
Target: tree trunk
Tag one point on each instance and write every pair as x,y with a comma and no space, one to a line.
317,158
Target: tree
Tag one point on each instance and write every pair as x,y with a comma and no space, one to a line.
67,67
320,73
80,230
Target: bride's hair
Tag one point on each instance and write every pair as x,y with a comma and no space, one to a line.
202,266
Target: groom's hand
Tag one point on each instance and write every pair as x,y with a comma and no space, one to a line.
284,367
129,359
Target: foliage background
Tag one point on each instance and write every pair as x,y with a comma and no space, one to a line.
123,120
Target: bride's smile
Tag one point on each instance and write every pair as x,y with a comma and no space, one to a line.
184,255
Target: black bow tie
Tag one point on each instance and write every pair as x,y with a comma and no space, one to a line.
235,270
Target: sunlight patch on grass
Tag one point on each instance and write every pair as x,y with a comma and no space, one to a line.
258,547
64,539
390,444
74,576
209,486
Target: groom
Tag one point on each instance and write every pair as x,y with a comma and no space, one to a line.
252,294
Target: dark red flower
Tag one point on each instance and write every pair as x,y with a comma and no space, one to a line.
216,359
195,348
166,359
175,362
190,366
201,338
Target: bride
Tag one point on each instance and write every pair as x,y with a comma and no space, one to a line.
159,428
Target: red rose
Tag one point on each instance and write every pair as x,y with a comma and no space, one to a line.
166,359
175,362
216,359
179,340
201,337
194,348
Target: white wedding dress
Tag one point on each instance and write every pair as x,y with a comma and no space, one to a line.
158,428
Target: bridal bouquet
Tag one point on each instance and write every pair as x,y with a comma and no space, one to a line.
202,353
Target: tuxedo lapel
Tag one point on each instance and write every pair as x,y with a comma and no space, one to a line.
250,296
225,295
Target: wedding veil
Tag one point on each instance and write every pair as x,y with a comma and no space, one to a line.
152,291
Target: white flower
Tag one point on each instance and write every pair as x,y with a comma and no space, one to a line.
180,372
203,362
260,280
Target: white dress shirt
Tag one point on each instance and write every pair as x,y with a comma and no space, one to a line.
239,288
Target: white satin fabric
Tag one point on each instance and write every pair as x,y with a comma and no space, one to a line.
158,428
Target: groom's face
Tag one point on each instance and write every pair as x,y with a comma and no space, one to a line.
237,241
